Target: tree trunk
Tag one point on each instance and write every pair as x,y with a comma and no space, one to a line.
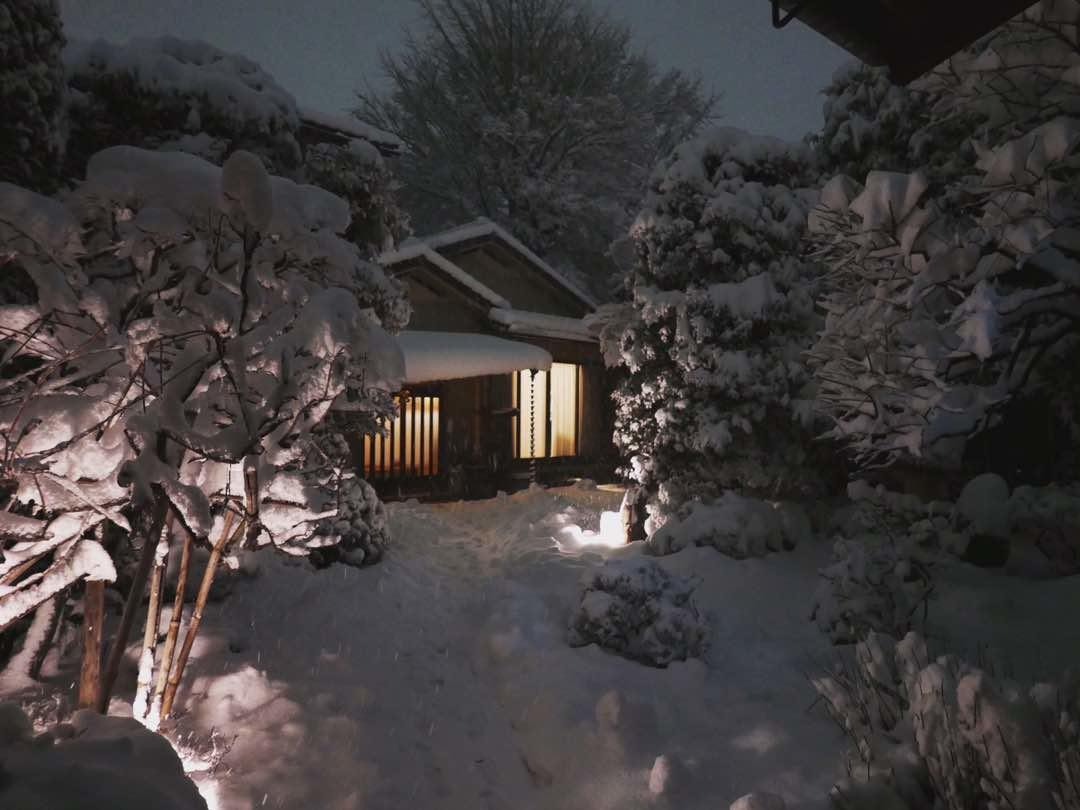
227,536
169,651
93,617
153,623
148,528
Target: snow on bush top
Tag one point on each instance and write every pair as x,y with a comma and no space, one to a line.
195,71
176,346
178,94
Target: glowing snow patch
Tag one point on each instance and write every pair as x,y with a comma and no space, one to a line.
571,538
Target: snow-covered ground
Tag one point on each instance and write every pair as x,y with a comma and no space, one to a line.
441,678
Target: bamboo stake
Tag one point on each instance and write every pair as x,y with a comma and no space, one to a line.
153,520
153,623
93,617
227,535
169,651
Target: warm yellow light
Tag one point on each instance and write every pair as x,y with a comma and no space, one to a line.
411,446
534,394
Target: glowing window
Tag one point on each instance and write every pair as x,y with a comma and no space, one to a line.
547,422
410,446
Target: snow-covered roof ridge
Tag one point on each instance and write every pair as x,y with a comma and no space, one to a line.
349,125
538,324
434,356
419,250
485,227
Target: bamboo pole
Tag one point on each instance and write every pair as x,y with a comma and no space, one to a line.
227,535
152,519
153,623
93,617
169,650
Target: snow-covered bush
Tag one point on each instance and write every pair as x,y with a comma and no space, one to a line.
872,584
738,526
32,93
936,319
175,94
171,335
637,609
945,734
92,763
720,307
358,174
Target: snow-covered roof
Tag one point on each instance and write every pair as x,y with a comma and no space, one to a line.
420,250
432,356
351,127
485,227
537,324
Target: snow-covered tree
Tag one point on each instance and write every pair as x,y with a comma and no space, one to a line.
188,96
720,308
359,174
537,114
31,92
172,335
180,95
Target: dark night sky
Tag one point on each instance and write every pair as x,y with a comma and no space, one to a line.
321,50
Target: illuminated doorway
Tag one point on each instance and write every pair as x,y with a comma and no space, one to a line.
548,412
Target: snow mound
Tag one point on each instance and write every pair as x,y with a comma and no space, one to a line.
95,763
738,526
638,610
984,503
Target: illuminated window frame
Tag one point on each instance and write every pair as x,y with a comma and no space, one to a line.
410,446
550,404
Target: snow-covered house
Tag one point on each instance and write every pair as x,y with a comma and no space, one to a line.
504,380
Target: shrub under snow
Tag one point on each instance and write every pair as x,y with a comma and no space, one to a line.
174,333
948,735
735,525
637,609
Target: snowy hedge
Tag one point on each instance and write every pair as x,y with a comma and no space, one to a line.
32,93
738,526
637,609
720,308
178,94
942,733
171,334
937,320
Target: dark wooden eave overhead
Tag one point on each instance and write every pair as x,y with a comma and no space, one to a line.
908,36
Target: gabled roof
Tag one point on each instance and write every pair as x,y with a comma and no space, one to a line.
909,37
347,128
486,229
420,252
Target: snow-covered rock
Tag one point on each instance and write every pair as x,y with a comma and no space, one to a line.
984,504
636,609
95,763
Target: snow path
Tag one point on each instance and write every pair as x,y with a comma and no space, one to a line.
440,678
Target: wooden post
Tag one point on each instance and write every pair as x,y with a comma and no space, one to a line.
149,527
93,617
227,536
169,650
